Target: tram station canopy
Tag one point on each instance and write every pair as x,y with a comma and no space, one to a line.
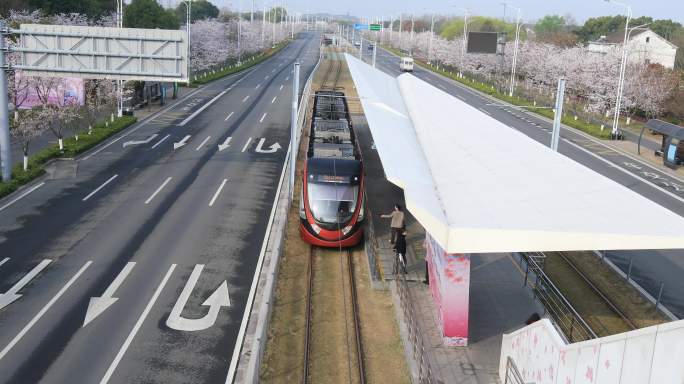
480,186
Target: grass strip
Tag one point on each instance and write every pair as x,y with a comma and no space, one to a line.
72,147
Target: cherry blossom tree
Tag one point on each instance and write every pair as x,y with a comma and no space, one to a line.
26,126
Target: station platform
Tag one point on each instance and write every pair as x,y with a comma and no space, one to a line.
499,302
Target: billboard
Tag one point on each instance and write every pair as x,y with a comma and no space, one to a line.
482,42
450,289
68,91
102,53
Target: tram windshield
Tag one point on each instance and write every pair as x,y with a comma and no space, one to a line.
332,203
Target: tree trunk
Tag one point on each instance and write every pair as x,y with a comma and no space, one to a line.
61,144
25,162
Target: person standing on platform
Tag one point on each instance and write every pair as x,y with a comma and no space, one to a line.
400,249
397,223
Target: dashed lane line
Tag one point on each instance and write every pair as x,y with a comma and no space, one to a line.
202,143
160,141
158,190
263,117
274,99
218,192
245,99
100,187
228,117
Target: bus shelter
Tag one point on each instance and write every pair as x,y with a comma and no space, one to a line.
672,145
479,186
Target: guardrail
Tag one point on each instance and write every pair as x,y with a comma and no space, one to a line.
513,376
370,246
563,314
415,330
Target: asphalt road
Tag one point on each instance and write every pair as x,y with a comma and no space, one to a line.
163,225
649,267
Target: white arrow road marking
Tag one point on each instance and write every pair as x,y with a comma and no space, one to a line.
274,99
6,259
97,305
22,196
202,143
158,189
100,187
228,117
197,112
43,310
225,144
136,327
247,144
218,191
11,295
259,147
136,142
263,117
218,299
182,142
160,141
245,99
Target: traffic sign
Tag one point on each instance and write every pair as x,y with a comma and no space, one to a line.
359,27
375,27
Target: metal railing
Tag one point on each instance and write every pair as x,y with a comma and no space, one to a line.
371,247
562,313
415,330
513,376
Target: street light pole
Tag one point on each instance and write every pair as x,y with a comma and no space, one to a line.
623,64
188,13
119,83
432,33
5,152
515,53
465,41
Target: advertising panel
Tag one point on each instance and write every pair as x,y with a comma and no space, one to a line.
68,91
450,288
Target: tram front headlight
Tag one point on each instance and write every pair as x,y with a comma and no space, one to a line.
347,229
316,228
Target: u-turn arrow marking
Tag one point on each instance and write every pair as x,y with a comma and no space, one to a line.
215,301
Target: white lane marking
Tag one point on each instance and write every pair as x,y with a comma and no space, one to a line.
205,106
274,99
6,259
97,305
229,115
43,310
12,294
218,191
182,142
158,189
460,97
100,187
246,144
245,99
281,87
137,142
161,141
202,143
255,279
136,327
263,117
274,147
482,110
142,124
219,298
257,87
22,195
225,144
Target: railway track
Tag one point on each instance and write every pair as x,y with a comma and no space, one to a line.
348,315
332,73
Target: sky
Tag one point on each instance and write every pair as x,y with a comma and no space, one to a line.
531,9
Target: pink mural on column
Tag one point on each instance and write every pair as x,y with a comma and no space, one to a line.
450,288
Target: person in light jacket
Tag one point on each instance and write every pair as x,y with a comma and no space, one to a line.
397,223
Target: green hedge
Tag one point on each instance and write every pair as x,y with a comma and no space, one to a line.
592,129
72,147
246,64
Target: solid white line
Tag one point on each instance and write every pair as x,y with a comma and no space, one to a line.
245,99
136,327
202,143
205,106
22,196
262,117
6,259
43,310
161,141
228,117
274,99
281,87
246,144
215,194
158,189
100,187
485,111
250,298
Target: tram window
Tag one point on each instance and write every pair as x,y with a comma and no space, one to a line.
332,203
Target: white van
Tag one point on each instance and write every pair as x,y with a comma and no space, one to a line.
406,64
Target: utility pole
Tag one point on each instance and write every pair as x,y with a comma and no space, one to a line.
5,150
294,130
518,24
251,13
400,22
621,79
411,40
465,41
239,32
188,13
263,25
119,83
432,33
558,114
375,52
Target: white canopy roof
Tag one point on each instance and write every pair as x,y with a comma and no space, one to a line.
478,186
